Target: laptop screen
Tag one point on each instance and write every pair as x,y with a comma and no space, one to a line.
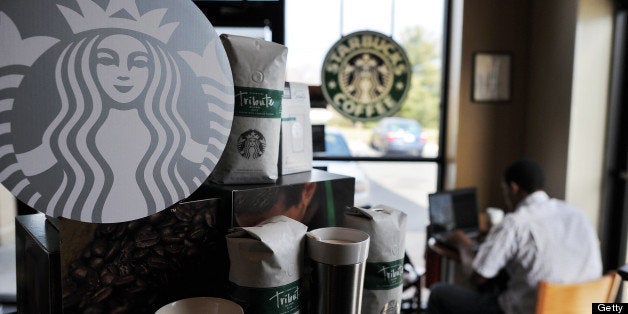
454,209
441,212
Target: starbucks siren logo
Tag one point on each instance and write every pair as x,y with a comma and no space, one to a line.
251,144
110,111
366,76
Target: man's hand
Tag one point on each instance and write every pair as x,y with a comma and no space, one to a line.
462,242
458,239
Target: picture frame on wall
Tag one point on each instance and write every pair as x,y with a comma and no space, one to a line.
492,77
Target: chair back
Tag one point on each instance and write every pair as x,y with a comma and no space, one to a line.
554,298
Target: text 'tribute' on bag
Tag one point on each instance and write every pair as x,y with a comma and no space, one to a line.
252,150
383,278
266,266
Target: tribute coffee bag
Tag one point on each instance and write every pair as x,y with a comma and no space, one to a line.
252,150
266,266
383,278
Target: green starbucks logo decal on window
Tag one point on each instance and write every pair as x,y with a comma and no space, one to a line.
366,76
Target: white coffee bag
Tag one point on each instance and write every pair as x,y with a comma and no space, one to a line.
296,130
266,266
383,278
252,150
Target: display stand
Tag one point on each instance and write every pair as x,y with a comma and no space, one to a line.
38,264
331,194
51,262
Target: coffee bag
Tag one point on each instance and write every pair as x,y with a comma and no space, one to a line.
252,150
266,266
383,279
296,130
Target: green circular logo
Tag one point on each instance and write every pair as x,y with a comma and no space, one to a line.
366,76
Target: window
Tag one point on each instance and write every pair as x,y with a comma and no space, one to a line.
7,243
395,160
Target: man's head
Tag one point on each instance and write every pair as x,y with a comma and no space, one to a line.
521,178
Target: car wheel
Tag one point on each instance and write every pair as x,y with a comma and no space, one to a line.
418,152
373,145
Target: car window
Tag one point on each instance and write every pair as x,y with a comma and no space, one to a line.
335,145
405,127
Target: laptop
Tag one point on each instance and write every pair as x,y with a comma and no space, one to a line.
453,209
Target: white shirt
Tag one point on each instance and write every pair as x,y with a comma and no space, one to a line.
542,239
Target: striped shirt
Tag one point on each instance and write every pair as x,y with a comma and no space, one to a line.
545,239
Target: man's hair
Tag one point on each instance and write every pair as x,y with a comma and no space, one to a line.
526,173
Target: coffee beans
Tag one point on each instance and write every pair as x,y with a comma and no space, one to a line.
138,266
146,237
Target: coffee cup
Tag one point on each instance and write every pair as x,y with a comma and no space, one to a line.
495,215
206,305
339,258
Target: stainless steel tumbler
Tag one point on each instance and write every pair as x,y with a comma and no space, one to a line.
339,258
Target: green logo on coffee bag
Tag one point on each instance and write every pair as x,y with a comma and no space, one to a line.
278,300
366,76
257,102
383,276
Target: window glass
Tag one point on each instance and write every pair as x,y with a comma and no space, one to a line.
7,243
394,159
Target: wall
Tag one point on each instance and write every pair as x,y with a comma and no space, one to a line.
550,77
559,96
570,51
488,136
590,95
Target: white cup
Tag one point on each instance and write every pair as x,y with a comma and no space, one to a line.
206,305
495,215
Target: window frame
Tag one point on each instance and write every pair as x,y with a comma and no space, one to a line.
247,13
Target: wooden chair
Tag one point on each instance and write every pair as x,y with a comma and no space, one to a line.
553,298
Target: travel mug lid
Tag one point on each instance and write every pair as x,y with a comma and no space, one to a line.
338,246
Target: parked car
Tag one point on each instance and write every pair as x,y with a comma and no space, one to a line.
398,136
336,146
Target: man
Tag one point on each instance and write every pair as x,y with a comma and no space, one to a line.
540,238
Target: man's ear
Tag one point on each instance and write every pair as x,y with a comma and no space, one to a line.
514,187
308,193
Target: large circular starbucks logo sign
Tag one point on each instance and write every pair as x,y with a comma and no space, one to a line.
366,76
110,110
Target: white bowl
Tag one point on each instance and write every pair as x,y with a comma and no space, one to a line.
205,305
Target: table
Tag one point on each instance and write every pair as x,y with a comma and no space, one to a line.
441,260
440,263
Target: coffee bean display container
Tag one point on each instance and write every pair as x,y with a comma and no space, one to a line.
141,265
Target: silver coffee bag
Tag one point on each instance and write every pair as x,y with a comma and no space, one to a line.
252,150
383,279
266,266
